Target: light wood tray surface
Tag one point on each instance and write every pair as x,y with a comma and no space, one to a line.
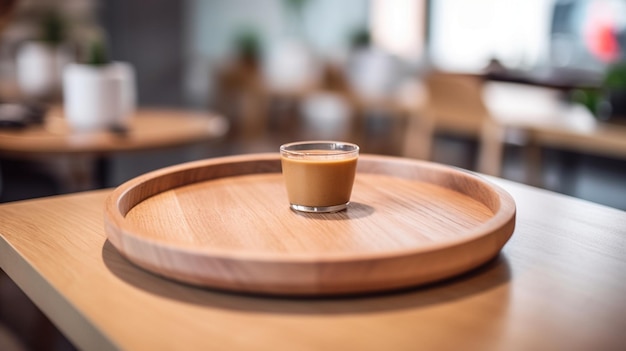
226,223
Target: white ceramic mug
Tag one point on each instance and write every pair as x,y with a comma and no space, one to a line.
99,97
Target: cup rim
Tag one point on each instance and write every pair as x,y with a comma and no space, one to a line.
284,149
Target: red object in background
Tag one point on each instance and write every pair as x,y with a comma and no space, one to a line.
603,43
600,33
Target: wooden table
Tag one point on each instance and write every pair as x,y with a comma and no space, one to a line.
541,118
559,284
149,129
498,113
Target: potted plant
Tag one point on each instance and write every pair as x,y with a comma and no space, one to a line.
291,64
248,47
39,62
99,93
608,101
614,89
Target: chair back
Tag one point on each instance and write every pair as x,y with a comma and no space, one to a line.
455,103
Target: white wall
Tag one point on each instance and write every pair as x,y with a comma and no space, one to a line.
327,23
466,34
213,24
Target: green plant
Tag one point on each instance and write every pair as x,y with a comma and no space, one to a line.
608,98
248,44
97,54
53,27
588,97
615,77
360,38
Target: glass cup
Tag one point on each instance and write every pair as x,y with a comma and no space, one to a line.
319,174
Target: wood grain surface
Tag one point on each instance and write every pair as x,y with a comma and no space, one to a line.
150,128
226,223
558,284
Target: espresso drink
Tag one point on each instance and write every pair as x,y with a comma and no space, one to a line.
319,181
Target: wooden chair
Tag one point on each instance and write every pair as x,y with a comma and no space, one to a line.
454,106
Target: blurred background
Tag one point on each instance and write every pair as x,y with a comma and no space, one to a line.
528,90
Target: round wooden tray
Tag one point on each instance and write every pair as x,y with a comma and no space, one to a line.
225,223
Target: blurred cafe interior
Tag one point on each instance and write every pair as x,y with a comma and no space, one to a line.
528,90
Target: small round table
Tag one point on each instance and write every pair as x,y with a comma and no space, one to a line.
83,152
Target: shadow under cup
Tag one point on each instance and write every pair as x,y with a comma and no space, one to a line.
319,175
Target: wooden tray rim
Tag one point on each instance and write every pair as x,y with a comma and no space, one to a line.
505,215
